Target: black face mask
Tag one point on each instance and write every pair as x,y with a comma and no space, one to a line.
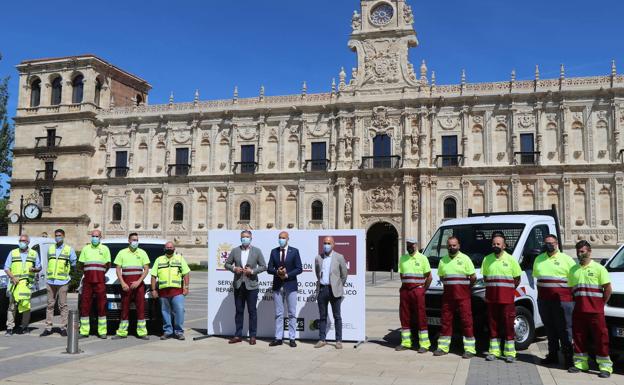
549,248
411,249
496,249
169,251
453,251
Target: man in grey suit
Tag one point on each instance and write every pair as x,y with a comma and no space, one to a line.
331,273
246,262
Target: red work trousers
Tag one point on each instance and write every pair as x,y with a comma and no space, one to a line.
88,290
138,297
501,316
412,308
585,325
449,307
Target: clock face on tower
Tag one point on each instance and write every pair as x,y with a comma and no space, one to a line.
382,14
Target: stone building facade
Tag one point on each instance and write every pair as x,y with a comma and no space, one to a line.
387,150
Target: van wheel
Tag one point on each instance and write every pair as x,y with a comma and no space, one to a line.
524,328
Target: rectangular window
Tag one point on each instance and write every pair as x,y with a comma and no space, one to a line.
382,151
319,156
46,196
248,159
51,138
449,150
121,164
182,161
527,147
49,170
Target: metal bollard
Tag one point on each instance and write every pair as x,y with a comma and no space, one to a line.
374,280
72,332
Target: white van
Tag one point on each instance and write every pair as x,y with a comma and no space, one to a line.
154,249
39,299
614,309
525,232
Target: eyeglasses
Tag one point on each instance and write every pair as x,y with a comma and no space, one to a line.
327,243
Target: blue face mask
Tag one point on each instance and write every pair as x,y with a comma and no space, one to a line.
245,241
134,244
327,249
58,239
23,245
95,241
282,242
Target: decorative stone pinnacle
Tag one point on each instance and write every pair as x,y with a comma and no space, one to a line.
262,92
112,102
537,72
423,72
562,72
613,68
304,88
342,77
235,97
513,75
463,77
333,86
171,98
196,99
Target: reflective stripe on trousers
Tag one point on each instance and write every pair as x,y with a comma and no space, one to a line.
495,347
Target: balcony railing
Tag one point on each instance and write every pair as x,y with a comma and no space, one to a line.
245,167
178,169
524,157
46,174
449,160
117,172
317,164
369,162
44,144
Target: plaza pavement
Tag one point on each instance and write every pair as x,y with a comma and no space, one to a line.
35,360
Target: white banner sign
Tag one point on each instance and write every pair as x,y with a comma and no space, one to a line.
349,243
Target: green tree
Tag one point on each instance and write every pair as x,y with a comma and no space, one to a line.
7,136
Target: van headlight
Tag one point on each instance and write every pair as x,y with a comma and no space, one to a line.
4,281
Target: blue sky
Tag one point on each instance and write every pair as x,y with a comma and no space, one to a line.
212,46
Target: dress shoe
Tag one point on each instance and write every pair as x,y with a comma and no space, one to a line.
63,332
292,344
338,345
252,340
320,344
551,358
439,352
103,336
235,340
275,343
146,338
490,357
573,369
47,332
510,360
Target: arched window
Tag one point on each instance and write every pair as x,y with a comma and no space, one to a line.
117,212
98,92
450,208
178,212
245,211
57,88
317,211
35,93
77,89
139,99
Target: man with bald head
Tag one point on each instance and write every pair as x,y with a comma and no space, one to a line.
331,272
284,266
172,274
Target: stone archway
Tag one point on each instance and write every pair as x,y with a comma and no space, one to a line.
382,247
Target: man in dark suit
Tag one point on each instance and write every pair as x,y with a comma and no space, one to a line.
285,266
331,273
246,262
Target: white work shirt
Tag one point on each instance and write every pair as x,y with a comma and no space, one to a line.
326,268
245,255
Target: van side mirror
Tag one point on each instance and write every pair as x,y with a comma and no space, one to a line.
604,261
529,257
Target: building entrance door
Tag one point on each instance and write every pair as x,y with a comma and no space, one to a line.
382,247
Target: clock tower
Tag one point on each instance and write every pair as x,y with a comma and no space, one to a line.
382,34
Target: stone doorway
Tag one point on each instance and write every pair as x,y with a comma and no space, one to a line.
382,247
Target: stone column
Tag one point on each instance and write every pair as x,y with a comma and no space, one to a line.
565,153
258,192
433,202
424,217
66,92
538,134
515,192
567,203
210,217
355,218
340,201
487,135
279,208
465,127
617,117
432,142
164,204
229,212
301,217
408,180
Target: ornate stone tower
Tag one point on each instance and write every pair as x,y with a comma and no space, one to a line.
382,34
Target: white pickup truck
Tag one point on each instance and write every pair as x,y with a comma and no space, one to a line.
525,232
614,310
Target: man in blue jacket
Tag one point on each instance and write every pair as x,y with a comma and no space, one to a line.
285,266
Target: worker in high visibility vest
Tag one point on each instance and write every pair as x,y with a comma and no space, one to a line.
591,287
415,280
554,299
95,260
501,273
170,282
21,266
61,258
132,264
457,273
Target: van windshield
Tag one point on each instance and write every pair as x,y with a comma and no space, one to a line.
617,263
475,240
153,250
4,253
